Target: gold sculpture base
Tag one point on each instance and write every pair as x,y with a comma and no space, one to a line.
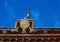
23,31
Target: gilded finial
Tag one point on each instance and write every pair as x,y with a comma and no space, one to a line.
28,15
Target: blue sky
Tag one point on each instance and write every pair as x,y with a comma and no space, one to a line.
46,13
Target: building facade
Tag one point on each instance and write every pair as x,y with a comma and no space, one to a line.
24,31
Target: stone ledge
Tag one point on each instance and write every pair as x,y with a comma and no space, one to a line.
30,35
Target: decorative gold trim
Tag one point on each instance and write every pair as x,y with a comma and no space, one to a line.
16,39
2,38
48,38
29,39
9,39
35,38
55,38
23,39
42,38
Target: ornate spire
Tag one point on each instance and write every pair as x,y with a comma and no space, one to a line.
28,15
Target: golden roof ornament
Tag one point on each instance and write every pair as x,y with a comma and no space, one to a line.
24,23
